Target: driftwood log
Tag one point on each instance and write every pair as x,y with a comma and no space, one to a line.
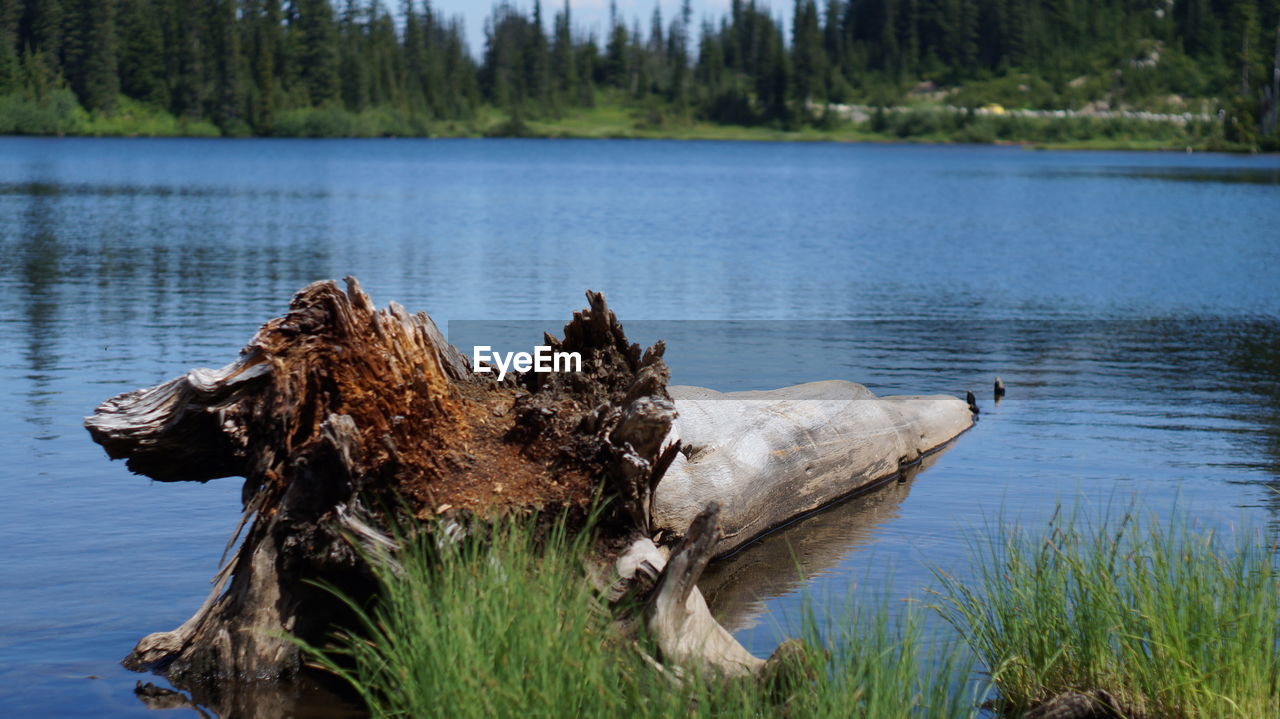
340,417
769,457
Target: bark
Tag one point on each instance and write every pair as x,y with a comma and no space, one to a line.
335,413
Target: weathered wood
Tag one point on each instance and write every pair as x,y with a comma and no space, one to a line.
677,615
335,412
1097,704
768,457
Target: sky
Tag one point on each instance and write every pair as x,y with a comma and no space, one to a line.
588,15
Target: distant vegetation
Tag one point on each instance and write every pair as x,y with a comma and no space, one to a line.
361,68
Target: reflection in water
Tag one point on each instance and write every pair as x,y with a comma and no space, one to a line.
59,189
1198,175
308,697
41,254
1253,361
1253,176
737,587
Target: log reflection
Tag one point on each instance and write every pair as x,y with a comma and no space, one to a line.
308,696
738,586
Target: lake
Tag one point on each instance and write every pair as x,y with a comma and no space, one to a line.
1131,302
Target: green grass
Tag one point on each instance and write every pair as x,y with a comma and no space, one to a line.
1173,621
925,124
509,627
58,113
131,118
613,116
614,119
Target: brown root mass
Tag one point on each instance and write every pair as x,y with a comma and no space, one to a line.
336,414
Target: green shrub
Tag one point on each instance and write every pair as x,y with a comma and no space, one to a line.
57,113
979,131
132,118
915,123
315,122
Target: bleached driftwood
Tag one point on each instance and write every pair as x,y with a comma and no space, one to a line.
768,457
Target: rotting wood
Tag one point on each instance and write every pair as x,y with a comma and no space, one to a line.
337,411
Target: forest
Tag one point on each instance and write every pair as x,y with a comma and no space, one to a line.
364,68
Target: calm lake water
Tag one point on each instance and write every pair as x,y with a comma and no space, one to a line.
1130,301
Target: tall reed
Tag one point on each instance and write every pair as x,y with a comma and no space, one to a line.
510,627
1172,620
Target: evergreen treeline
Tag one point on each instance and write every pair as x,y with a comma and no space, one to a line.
290,66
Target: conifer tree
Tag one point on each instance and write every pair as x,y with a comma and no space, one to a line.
41,32
537,59
563,56
89,58
265,17
616,70
10,14
142,53
229,67
317,50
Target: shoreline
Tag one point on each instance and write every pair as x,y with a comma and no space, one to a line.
926,125
734,134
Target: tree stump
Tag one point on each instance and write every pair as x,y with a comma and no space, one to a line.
343,419
335,413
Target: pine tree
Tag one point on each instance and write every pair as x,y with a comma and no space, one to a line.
10,15
229,66
351,70
41,32
435,83
191,86
385,56
563,56
415,57
142,53
809,55
678,41
89,53
588,62
537,60
317,51
616,71
265,17
463,91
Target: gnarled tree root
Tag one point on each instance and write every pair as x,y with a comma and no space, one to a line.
343,420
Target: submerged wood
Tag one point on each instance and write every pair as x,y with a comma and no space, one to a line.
342,419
